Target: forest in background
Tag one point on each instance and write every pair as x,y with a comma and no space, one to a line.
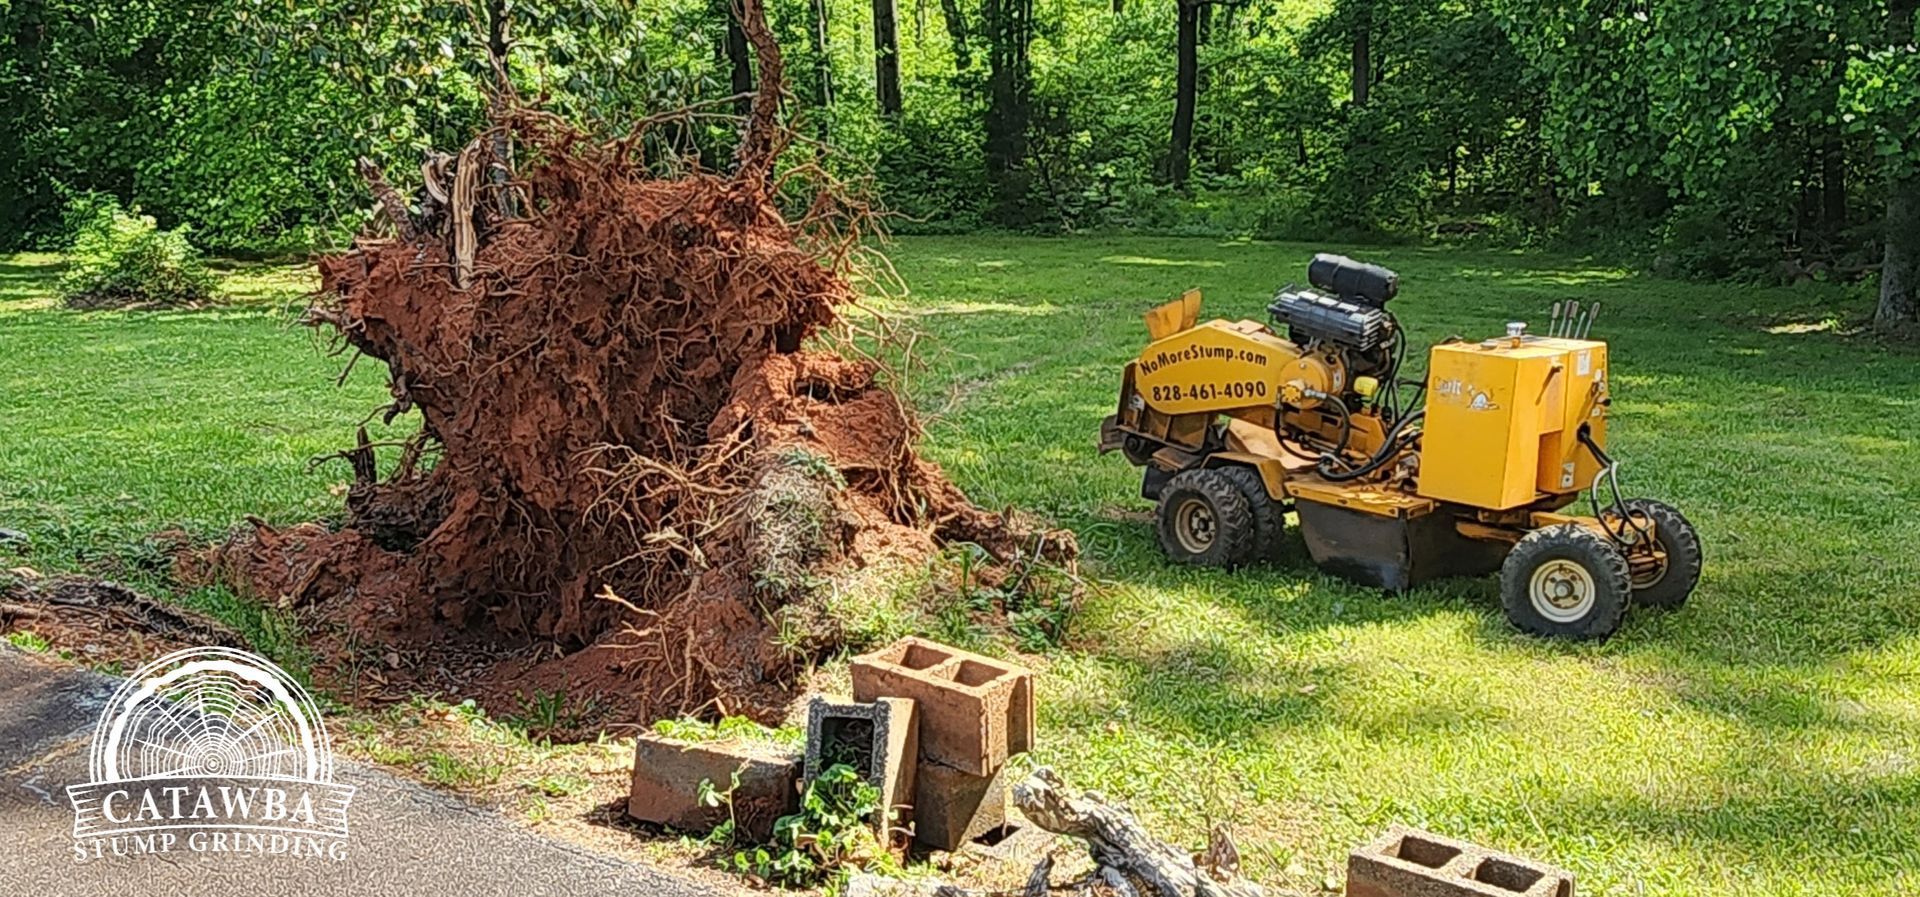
1766,139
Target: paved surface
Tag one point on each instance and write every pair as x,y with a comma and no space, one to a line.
406,838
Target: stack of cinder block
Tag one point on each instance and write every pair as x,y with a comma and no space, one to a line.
1407,862
973,713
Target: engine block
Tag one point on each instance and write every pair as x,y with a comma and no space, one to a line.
1310,315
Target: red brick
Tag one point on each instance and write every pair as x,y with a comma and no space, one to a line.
666,785
1407,862
974,711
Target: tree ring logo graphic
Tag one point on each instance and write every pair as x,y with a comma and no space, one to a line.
210,749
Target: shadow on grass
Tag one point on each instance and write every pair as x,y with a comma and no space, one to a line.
29,277
1216,690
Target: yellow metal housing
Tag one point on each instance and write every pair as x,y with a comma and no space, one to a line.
1222,365
1170,318
1502,418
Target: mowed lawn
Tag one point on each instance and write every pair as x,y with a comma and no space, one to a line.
1765,740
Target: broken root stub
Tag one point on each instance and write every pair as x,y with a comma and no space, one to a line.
625,366
1122,848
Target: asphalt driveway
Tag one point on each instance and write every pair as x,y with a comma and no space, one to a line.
405,838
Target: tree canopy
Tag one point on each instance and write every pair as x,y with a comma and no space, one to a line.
1771,138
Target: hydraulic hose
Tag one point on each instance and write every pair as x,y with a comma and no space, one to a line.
1390,448
1346,431
1346,423
1609,471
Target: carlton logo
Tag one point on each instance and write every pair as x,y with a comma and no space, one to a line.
210,750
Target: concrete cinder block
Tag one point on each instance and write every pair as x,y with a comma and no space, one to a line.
974,711
952,807
1016,843
880,739
666,784
1408,862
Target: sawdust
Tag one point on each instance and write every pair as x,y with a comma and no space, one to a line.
626,363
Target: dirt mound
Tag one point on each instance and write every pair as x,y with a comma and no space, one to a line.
634,449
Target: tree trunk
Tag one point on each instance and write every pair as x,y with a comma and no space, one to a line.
1453,170
886,57
1362,39
1807,219
1185,93
1009,25
1899,308
497,41
822,61
1833,154
957,31
739,60
500,171
1833,184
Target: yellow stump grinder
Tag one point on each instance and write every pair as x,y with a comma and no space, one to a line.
1238,422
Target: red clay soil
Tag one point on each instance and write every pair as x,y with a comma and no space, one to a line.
630,357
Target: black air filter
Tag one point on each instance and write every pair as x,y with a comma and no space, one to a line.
1353,281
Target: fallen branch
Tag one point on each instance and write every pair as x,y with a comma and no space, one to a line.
1120,845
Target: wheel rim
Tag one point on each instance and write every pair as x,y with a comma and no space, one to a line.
1644,575
1562,590
1650,574
1194,525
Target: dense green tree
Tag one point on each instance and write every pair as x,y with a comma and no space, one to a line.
1186,91
1768,138
85,97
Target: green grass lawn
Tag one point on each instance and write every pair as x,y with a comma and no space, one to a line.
1763,741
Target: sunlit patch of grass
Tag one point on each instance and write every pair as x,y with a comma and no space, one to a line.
1161,262
1798,327
28,280
119,424
266,285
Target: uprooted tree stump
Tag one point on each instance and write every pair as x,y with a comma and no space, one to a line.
1129,859
622,369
